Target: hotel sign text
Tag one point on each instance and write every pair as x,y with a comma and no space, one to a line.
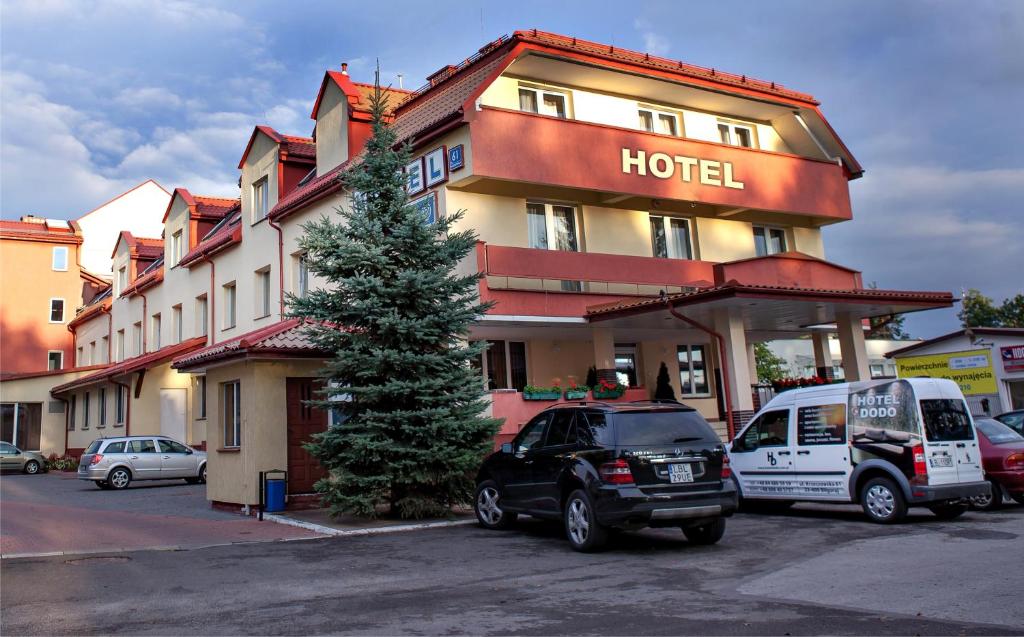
664,166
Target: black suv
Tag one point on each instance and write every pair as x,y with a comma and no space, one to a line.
600,466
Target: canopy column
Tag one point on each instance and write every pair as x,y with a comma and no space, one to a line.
729,324
852,347
822,355
604,353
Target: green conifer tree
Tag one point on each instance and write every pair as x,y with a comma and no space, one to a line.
395,312
663,385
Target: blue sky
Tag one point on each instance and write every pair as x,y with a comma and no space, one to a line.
99,96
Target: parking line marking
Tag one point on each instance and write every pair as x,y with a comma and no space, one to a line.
333,532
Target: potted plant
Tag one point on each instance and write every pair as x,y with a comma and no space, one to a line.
609,389
533,392
575,392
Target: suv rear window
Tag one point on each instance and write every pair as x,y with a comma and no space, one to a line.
661,428
946,420
93,447
115,447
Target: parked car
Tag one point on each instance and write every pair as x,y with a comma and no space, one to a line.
113,463
1002,452
887,445
1013,419
600,466
12,458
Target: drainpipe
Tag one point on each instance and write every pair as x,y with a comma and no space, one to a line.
723,359
211,302
280,266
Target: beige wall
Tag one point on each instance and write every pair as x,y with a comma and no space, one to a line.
331,129
262,161
37,390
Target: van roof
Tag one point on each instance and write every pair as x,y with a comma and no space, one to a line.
922,386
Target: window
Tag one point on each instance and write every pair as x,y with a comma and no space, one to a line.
169,446
85,410
175,248
532,434
263,292
59,262
505,365
101,407
768,240
229,305
693,377
137,337
771,429
141,446
655,428
56,310
54,360
946,420
670,237
625,365
553,227
260,199
301,275
122,280
119,346
115,447
92,353
736,134
821,425
201,396
72,409
232,414
105,349
542,101
154,340
562,430
80,356
202,321
120,396
177,331
655,121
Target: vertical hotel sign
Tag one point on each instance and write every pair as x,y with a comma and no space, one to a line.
971,370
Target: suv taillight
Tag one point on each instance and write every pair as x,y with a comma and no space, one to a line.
726,468
96,458
920,465
1014,461
616,472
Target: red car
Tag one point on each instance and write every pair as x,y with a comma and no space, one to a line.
1002,452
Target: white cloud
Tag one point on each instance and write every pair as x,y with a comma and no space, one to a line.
654,43
148,98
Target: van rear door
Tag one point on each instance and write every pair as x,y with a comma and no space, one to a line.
951,445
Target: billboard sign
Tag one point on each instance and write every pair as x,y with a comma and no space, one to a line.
971,370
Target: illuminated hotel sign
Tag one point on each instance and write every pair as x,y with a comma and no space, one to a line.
664,166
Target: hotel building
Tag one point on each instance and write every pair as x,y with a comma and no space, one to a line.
631,211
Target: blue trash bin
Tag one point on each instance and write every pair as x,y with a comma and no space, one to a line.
275,495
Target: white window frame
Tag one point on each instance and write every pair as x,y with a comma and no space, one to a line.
301,275
120,409
201,395
176,248
80,356
732,126
86,399
235,421
101,407
121,281
485,367
105,348
137,328
260,198
202,315
708,372
666,221
60,364
177,329
538,97
549,222
656,113
119,346
53,258
263,292
63,310
155,325
230,292
767,230
92,353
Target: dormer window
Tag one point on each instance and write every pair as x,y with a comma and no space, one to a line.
736,134
176,246
542,101
122,280
260,199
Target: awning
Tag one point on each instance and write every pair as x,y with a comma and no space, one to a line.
132,365
284,339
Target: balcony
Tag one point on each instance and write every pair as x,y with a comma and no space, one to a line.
618,163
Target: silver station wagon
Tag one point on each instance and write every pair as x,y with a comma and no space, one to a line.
113,463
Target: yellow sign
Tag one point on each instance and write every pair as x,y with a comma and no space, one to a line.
972,370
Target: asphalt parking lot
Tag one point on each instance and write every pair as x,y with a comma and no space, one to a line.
55,512
813,570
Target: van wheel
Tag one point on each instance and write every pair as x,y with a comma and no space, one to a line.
486,505
708,533
989,502
119,478
949,511
883,501
581,527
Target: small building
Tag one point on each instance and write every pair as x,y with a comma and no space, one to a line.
800,361
987,363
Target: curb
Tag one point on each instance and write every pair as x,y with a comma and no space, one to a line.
333,532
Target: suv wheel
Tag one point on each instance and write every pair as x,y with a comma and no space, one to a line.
486,506
119,478
883,501
989,502
949,511
31,467
581,526
708,533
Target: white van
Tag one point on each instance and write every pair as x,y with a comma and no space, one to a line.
886,444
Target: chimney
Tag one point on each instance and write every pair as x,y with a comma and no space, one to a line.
344,68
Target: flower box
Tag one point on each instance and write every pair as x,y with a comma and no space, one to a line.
576,394
542,393
608,393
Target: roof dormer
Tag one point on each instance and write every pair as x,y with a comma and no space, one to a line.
272,166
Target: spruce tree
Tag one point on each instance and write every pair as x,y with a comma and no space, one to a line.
395,312
662,385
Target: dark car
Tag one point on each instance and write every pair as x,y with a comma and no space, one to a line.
1002,455
600,466
1013,419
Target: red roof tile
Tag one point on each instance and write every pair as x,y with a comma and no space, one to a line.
50,372
227,235
133,365
40,231
145,281
287,337
315,189
214,206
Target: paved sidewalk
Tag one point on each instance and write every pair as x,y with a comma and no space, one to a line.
58,514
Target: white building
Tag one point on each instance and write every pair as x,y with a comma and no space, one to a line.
800,362
140,211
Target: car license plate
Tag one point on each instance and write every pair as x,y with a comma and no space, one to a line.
942,461
680,473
